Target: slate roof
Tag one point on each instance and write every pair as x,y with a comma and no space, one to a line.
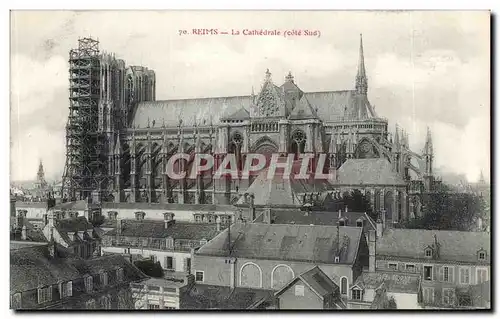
300,217
331,107
156,229
32,267
218,297
317,280
280,191
459,246
72,224
369,171
286,242
31,204
241,114
393,282
76,205
168,207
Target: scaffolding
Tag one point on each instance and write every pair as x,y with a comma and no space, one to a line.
86,159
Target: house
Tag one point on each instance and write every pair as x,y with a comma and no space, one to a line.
310,290
370,287
168,242
210,297
269,256
159,293
49,276
449,262
72,232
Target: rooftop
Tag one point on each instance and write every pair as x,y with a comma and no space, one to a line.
156,229
459,246
369,171
33,267
286,242
218,297
394,282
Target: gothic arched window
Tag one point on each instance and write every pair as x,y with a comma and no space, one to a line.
298,142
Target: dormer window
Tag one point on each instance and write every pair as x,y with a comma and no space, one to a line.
112,215
139,215
359,223
119,274
89,284
481,255
341,222
104,279
168,216
428,252
337,259
170,242
203,241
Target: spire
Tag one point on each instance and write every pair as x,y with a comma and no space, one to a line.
481,178
396,138
361,80
428,142
268,76
289,77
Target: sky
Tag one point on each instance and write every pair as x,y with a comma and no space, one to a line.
425,69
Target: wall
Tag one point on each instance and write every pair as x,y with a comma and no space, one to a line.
405,301
310,300
436,268
437,283
217,272
179,257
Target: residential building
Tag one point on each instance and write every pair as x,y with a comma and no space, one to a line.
449,262
160,293
269,256
49,276
312,289
168,242
404,288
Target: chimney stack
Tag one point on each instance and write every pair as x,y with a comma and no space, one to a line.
380,228
20,219
23,233
372,246
252,208
217,221
119,226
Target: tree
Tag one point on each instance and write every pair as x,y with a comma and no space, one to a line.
448,211
150,268
357,202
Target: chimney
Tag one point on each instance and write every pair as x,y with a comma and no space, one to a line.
252,208
217,221
169,219
340,214
380,228
372,246
45,220
119,226
52,247
346,209
20,219
23,233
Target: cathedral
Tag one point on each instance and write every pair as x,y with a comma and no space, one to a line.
141,134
